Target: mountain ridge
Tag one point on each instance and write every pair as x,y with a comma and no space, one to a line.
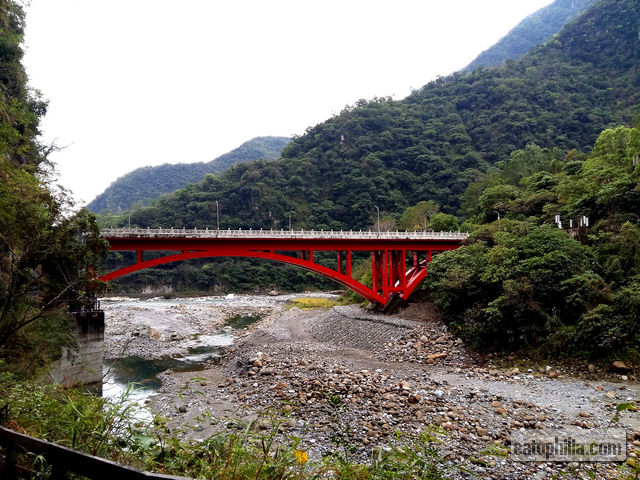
532,31
433,144
147,183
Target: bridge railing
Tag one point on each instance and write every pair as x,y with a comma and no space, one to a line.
279,234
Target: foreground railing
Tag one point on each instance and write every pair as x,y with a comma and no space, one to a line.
297,234
63,459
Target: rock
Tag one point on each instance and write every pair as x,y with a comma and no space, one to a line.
424,339
496,404
267,371
438,393
483,432
501,411
591,368
515,371
273,293
405,385
436,356
155,334
584,414
620,366
287,408
553,374
182,409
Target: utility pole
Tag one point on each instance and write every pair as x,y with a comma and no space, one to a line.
378,218
217,217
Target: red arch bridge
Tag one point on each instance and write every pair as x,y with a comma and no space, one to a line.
398,259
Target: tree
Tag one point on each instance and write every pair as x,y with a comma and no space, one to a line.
45,251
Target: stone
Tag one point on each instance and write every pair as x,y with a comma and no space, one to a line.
496,404
287,408
273,293
483,432
405,385
182,409
553,374
155,334
591,368
620,366
584,414
436,356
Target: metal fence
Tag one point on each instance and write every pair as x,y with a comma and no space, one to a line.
63,459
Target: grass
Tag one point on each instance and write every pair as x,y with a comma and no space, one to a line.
307,303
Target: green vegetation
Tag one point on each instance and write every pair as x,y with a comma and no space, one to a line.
144,184
308,303
524,283
44,250
534,30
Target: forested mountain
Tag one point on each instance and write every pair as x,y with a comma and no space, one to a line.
534,30
434,143
148,183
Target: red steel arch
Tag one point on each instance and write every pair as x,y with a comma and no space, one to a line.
398,260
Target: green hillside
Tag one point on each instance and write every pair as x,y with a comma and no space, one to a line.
434,143
534,30
148,183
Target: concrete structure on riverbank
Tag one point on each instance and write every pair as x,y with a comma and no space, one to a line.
83,365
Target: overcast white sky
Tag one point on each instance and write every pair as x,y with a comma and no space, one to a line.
144,82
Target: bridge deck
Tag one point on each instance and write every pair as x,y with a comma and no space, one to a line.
278,234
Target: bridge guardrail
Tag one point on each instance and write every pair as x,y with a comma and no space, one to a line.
279,234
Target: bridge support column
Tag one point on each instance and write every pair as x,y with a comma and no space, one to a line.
84,365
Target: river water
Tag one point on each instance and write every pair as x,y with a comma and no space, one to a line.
146,337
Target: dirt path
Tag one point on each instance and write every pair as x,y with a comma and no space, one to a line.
391,374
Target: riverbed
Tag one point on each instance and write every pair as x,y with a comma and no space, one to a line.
393,376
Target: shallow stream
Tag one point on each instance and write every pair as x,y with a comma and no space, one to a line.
140,375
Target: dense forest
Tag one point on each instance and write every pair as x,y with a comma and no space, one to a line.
554,260
437,145
44,250
141,185
534,30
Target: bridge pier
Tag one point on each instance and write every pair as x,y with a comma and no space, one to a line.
83,366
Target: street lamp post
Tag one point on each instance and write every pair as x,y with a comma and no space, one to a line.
217,217
378,218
